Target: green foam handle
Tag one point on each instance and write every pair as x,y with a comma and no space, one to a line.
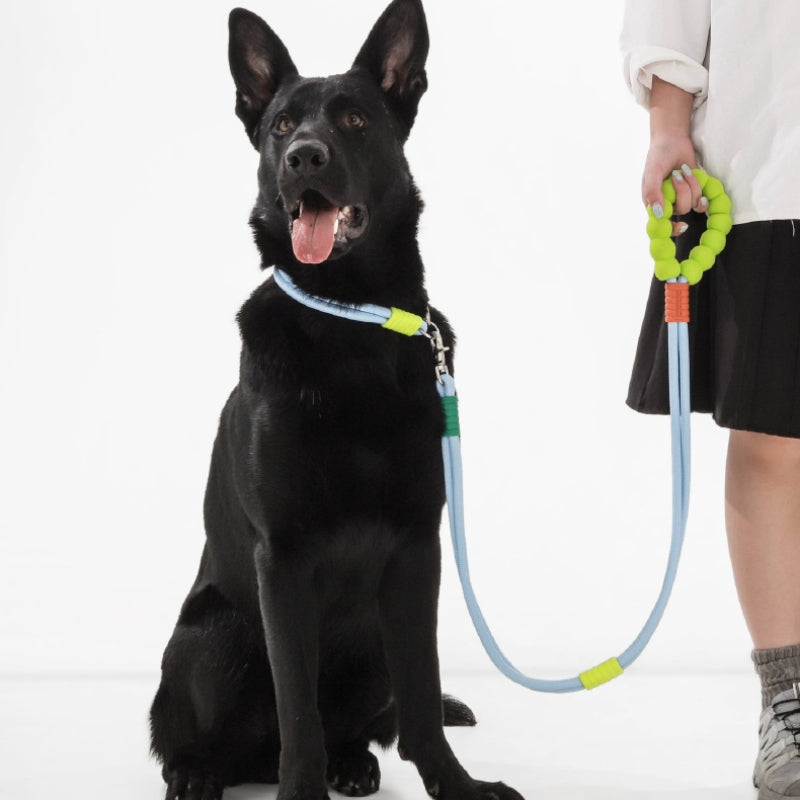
712,242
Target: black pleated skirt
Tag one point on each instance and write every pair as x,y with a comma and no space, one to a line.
744,336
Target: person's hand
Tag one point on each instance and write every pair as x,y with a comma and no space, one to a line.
675,156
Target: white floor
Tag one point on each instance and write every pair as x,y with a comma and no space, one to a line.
669,737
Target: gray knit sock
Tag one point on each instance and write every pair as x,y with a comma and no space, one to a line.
778,670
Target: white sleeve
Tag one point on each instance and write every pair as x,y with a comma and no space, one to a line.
667,39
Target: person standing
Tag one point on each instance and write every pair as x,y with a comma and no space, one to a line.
721,82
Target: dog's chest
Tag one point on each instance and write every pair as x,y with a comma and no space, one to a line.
365,398
375,434
345,417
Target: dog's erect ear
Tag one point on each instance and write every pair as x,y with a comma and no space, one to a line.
394,54
259,62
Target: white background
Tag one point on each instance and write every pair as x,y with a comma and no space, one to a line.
125,186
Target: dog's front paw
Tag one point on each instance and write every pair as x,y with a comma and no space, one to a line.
355,774
472,790
301,790
497,791
186,784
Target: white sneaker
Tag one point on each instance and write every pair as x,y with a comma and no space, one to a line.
777,773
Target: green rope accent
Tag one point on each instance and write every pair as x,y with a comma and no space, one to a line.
403,322
451,426
602,673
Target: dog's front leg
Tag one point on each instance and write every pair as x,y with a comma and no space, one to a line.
408,604
289,610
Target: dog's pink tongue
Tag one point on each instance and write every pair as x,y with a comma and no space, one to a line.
312,234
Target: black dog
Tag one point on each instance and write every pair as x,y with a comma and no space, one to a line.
310,630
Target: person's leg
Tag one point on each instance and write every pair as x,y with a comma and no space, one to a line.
762,514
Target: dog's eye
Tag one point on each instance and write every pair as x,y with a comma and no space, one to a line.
282,124
354,119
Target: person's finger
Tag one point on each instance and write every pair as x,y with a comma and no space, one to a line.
699,203
653,196
652,178
679,228
683,193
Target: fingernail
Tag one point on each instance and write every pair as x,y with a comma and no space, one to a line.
704,202
687,170
677,175
682,228
658,210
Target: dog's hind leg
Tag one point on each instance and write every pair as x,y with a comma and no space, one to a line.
213,720
352,769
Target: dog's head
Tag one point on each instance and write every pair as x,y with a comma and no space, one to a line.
333,179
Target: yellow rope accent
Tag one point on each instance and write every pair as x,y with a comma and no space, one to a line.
403,322
602,673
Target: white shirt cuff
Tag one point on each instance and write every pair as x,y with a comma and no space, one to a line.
671,66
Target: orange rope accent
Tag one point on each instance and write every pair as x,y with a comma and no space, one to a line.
676,302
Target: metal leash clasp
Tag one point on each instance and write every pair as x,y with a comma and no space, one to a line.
438,348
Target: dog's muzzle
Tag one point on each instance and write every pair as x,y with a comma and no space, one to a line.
321,227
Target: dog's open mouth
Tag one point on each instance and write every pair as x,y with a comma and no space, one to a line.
318,226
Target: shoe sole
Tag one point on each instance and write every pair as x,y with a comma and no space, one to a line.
768,794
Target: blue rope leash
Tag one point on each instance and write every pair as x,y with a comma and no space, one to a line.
678,353
391,318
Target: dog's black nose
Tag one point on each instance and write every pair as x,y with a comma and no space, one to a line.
307,156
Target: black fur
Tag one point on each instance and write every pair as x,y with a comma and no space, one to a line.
310,630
